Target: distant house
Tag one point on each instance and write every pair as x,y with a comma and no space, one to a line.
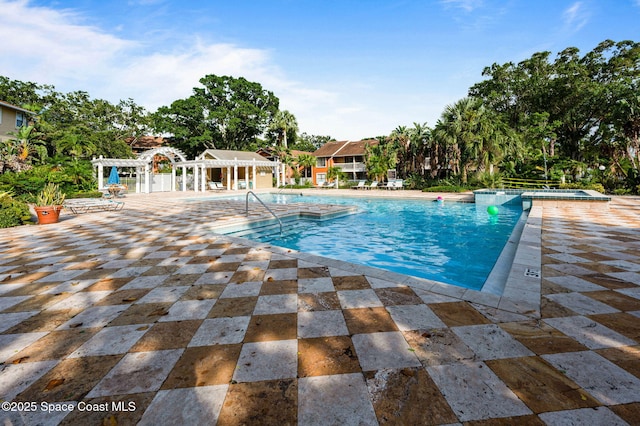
271,154
145,143
11,119
347,155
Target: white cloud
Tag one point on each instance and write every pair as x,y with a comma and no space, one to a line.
466,5
576,16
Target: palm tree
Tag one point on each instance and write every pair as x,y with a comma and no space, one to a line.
379,159
306,161
284,123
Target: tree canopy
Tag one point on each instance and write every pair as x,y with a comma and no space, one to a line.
226,113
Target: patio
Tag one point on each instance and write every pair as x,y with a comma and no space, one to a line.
143,315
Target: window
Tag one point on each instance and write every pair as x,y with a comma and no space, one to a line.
321,162
321,177
20,119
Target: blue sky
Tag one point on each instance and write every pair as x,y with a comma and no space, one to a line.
348,69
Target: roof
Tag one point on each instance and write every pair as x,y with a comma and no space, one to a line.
223,154
146,142
17,108
344,148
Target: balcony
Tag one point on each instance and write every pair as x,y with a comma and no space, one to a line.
351,167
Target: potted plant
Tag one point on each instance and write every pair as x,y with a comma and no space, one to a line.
49,203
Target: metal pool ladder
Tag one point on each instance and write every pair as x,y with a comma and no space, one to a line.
246,208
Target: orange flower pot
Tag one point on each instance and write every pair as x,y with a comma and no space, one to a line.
48,214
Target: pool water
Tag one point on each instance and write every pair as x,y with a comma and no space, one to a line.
454,243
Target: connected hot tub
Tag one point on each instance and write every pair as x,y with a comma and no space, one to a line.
543,197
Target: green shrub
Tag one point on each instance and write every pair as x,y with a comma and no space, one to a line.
445,188
13,212
579,185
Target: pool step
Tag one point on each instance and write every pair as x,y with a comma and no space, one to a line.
269,231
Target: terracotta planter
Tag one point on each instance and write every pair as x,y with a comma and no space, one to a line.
48,214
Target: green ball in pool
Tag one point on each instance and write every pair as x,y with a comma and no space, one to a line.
492,210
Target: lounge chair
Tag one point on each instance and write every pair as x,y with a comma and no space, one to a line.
360,185
216,186
394,184
88,205
373,185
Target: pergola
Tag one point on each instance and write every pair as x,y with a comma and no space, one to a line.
143,168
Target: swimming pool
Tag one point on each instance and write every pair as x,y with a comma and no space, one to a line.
454,243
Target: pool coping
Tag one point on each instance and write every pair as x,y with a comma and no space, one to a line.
521,287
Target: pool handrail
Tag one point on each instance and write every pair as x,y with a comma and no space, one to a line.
246,208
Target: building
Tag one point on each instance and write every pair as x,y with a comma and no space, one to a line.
347,155
11,119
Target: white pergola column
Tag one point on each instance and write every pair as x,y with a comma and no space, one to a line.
203,179
253,175
138,180
246,177
229,178
100,175
184,178
235,173
196,178
147,179
173,178
284,174
277,173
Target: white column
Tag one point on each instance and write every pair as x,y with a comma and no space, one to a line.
173,178
284,174
204,178
196,178
147,179
253,175
235,173
229,178
138,180
184,178
246,177
100,175
277,173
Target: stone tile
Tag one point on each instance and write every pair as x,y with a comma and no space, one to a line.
70,380
185,406
311,272
216,277
318,302
458,313
604,380
137,372
615,300
583,416
144,313
8,320
373,350
396,393
326,355
163,295
220,331
350,282
369,320
541,338
204,366
253,274
233,307
145,281
37,417
97,316
474,392
188,310
276,304
18,377
110,341
346,394
167,335
62,275
271,360
589,333
280,274
315,285
279,287
321,323
540,386
43,321
247,289
623,323
625,357
270,402
263,328
11,344
353,299
491,342
575,283
73,286
628,412
398,296
437,347
581,304
53,346
123,297
414,317
81,300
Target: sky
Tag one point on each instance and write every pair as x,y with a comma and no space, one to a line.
349,69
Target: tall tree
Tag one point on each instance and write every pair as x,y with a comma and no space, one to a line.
226,113
285,125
